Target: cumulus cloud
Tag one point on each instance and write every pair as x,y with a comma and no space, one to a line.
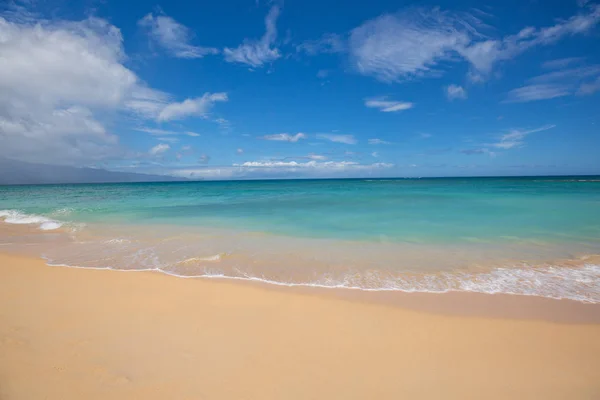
173,37
199,106
257,52
285,137
159,149
388,105
346,139
454,92
58,80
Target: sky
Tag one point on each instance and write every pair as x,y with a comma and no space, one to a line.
253,89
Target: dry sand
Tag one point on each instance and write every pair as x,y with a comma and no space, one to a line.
90,334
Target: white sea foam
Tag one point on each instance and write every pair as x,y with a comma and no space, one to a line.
215,258
17,217
557,282
117,241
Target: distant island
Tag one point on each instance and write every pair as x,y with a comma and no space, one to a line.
13,172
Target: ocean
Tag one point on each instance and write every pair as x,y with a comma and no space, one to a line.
526,235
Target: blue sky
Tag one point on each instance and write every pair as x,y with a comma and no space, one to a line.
254,89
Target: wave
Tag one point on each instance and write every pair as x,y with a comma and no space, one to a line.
18,217
580,284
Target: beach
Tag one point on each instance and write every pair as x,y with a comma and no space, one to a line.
72,333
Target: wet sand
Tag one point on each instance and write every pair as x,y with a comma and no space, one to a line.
69,333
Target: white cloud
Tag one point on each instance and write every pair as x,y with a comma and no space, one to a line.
326,165
347,139
388,105
173,37
163,132
199,106
414,43
58,80
425,135
515,137
562,62
204,159
316,157
168,139
537,92
322,73
485,54
375,154
455,92
589,88
568,74
285,137
471,152
239,151
409,44
159,149
328,44
378,141
257,52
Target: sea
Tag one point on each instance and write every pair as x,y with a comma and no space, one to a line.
537,236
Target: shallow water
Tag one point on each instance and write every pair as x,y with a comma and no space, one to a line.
493,235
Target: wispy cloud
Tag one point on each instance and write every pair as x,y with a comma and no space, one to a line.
568,74
471,152
415,42
346,139
316,165
562,62
329,43
163,132
285,137
395,47
515,137
589,88
257,52
159,149
559,83
168,139
239,151
385,105
537,92
425,135
199,106
454,92
173,36
203,159
378,141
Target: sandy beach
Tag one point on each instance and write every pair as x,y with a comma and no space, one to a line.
70,333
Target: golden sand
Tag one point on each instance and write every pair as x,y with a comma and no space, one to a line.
89,334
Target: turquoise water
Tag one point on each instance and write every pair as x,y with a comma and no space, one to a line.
426,210
316,231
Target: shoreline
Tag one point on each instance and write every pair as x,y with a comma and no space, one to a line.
76,333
